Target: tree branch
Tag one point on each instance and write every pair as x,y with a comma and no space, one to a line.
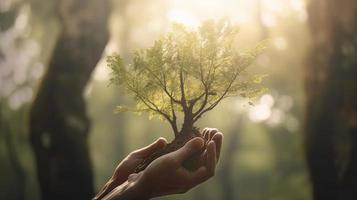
199,114
162,85
149,104
192,102
183,96
204,102
174,124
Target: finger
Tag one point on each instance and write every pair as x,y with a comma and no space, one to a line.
205,131
211,158
205,135
191,147
202,158
150,149
212,132
218,138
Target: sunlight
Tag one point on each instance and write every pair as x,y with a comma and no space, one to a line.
269,8
259,113
192,12
245,13
262,111
298,5
183,17
277,116
268,19
273,5
101,72
280,43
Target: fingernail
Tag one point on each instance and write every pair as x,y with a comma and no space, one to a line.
162,138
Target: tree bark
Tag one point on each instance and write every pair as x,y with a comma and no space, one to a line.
59,124
331,87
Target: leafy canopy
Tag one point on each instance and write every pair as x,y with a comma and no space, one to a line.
187,71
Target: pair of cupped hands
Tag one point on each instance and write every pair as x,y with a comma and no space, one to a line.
165,175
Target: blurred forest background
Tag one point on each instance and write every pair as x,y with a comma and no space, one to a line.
59,136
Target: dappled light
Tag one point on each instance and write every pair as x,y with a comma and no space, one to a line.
280,75
262,110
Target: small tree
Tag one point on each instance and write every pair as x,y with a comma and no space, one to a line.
185,74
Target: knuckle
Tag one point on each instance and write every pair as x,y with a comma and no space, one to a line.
214,130
132,155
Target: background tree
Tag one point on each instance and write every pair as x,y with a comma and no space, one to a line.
331,85
17,52
59,124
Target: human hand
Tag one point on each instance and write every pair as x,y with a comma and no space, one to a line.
213,134
166,175
128,165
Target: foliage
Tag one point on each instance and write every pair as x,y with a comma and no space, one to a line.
188,71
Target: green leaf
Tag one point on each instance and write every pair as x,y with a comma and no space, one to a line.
259,78
203,62
120,109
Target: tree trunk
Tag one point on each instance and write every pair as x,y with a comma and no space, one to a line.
331,87
59,124
187,127
8,135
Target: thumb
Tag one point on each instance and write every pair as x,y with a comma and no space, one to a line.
160,143
191,147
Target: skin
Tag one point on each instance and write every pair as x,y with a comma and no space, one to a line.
165,175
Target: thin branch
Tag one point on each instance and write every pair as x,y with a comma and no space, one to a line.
174,124
218,100
210,67
204,103
201,68
163,85
192,102
150,104
183,96
171,96
206,93
156,109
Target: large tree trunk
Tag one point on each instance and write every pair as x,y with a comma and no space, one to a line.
331,85
59,124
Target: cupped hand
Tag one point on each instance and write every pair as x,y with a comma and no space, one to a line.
128,165
166,175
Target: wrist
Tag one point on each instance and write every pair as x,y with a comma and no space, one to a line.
138,186
132,189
